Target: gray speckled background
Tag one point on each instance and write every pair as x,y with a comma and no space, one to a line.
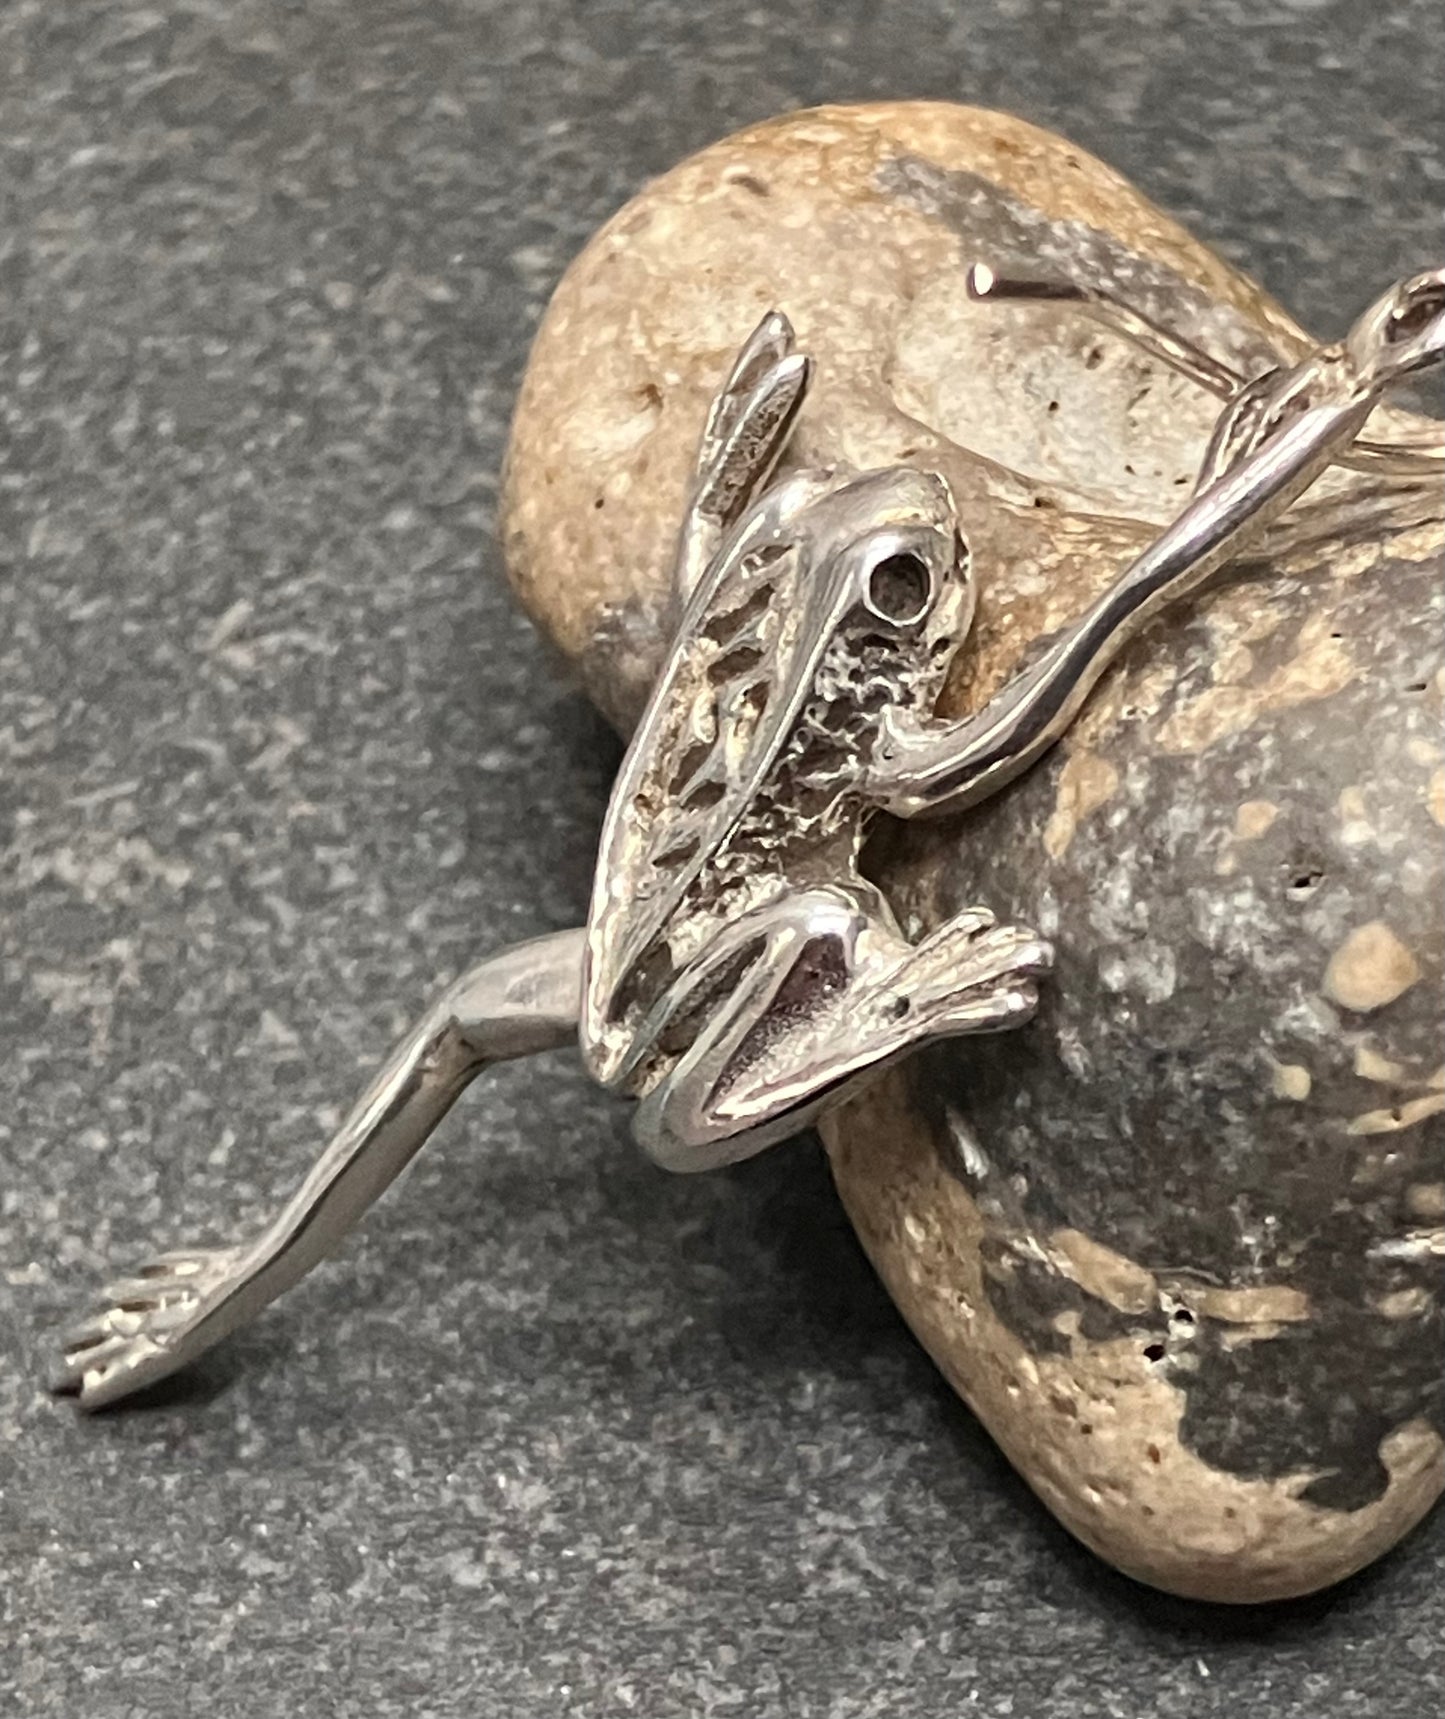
558,1435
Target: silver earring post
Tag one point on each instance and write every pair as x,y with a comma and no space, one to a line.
1417,454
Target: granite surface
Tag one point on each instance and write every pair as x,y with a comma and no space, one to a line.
559,1435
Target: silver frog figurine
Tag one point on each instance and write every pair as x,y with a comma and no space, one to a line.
737,973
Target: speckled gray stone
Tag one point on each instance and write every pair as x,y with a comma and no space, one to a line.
559,1435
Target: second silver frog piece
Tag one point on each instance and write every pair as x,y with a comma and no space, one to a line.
737,973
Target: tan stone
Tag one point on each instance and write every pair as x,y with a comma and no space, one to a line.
1065,449
789,214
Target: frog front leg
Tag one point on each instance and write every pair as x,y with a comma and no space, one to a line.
1277,436
805,999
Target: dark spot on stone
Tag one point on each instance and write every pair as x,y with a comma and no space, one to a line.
1261,1380
1154,1352
1030,1295
751,182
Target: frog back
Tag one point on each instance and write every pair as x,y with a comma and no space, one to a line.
742,667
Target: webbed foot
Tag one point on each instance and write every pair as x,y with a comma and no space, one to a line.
146,1327
970,976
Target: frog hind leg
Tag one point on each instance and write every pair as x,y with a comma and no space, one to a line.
172,1309
747,429
831,997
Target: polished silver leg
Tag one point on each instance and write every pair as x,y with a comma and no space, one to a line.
1269,448
177,1306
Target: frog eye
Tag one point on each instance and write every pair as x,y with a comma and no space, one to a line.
900,589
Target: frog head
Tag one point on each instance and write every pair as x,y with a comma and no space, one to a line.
881,580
